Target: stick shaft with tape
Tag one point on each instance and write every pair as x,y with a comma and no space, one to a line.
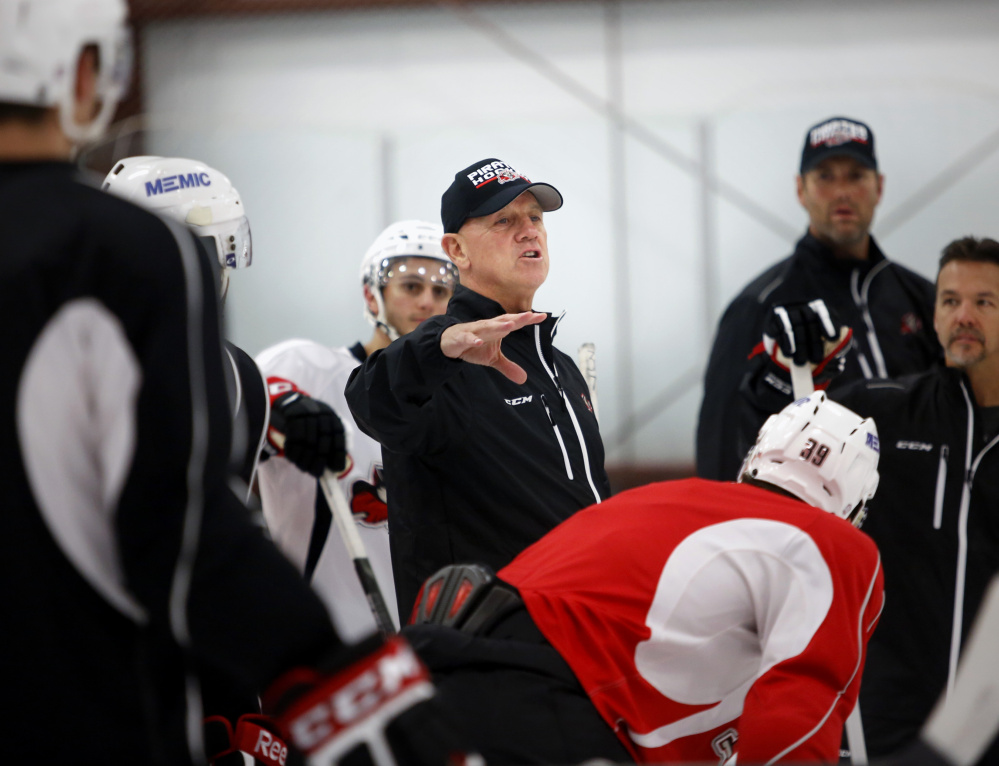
340,509
587,362
801,381
344,519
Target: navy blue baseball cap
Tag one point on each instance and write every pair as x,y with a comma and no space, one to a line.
838,137
487,186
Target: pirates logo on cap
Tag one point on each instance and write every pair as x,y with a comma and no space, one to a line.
473,193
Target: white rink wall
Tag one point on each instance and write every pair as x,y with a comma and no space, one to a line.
333,124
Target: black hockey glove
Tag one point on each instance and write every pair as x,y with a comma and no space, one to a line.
371,706
305,430
807,334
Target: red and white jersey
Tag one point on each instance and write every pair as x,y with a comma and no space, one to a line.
706,619
289,495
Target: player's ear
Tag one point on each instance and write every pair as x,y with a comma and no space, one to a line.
86,85
454,248
799,181
369,300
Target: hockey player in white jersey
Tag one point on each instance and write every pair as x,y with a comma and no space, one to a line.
406,278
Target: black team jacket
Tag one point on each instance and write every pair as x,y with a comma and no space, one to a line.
126,555
889,307
935,519
477,467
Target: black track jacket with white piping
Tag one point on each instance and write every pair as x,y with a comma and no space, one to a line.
889,307
124,551
935,519
477,467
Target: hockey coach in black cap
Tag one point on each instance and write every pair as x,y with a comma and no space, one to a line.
488,433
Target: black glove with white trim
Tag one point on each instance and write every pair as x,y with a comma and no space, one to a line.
305,430
807,333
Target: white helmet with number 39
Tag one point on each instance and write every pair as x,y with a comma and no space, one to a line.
821,452
194,194
403,239
40,46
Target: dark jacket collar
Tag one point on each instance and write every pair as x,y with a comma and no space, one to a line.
469,306
812,249
466,305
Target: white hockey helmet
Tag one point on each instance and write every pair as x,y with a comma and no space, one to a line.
403,239
194,194
40,45
820,452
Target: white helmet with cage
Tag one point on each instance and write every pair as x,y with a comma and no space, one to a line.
820,452
193,193
40,45
403,239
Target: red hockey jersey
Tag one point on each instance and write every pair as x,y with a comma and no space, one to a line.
706,618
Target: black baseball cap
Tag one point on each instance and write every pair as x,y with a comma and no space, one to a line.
487,186
837,137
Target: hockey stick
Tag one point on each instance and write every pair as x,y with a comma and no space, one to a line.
966,719
802,385
801,381
338,504
587,361
344,519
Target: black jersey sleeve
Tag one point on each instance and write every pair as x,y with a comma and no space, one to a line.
190,552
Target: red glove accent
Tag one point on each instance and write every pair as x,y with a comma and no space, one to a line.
257,736
276,388
758,349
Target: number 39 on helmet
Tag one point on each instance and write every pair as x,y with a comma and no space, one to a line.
820,452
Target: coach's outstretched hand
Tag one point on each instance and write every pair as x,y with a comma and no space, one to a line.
480,342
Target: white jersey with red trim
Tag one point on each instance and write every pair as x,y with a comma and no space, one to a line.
296,512
707,619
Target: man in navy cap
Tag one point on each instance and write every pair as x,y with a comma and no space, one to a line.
793,311
488,434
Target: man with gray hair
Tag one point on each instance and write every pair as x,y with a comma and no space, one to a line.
487,430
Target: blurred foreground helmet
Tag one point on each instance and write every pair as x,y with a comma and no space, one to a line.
820,452
404,239
194,194
40,46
